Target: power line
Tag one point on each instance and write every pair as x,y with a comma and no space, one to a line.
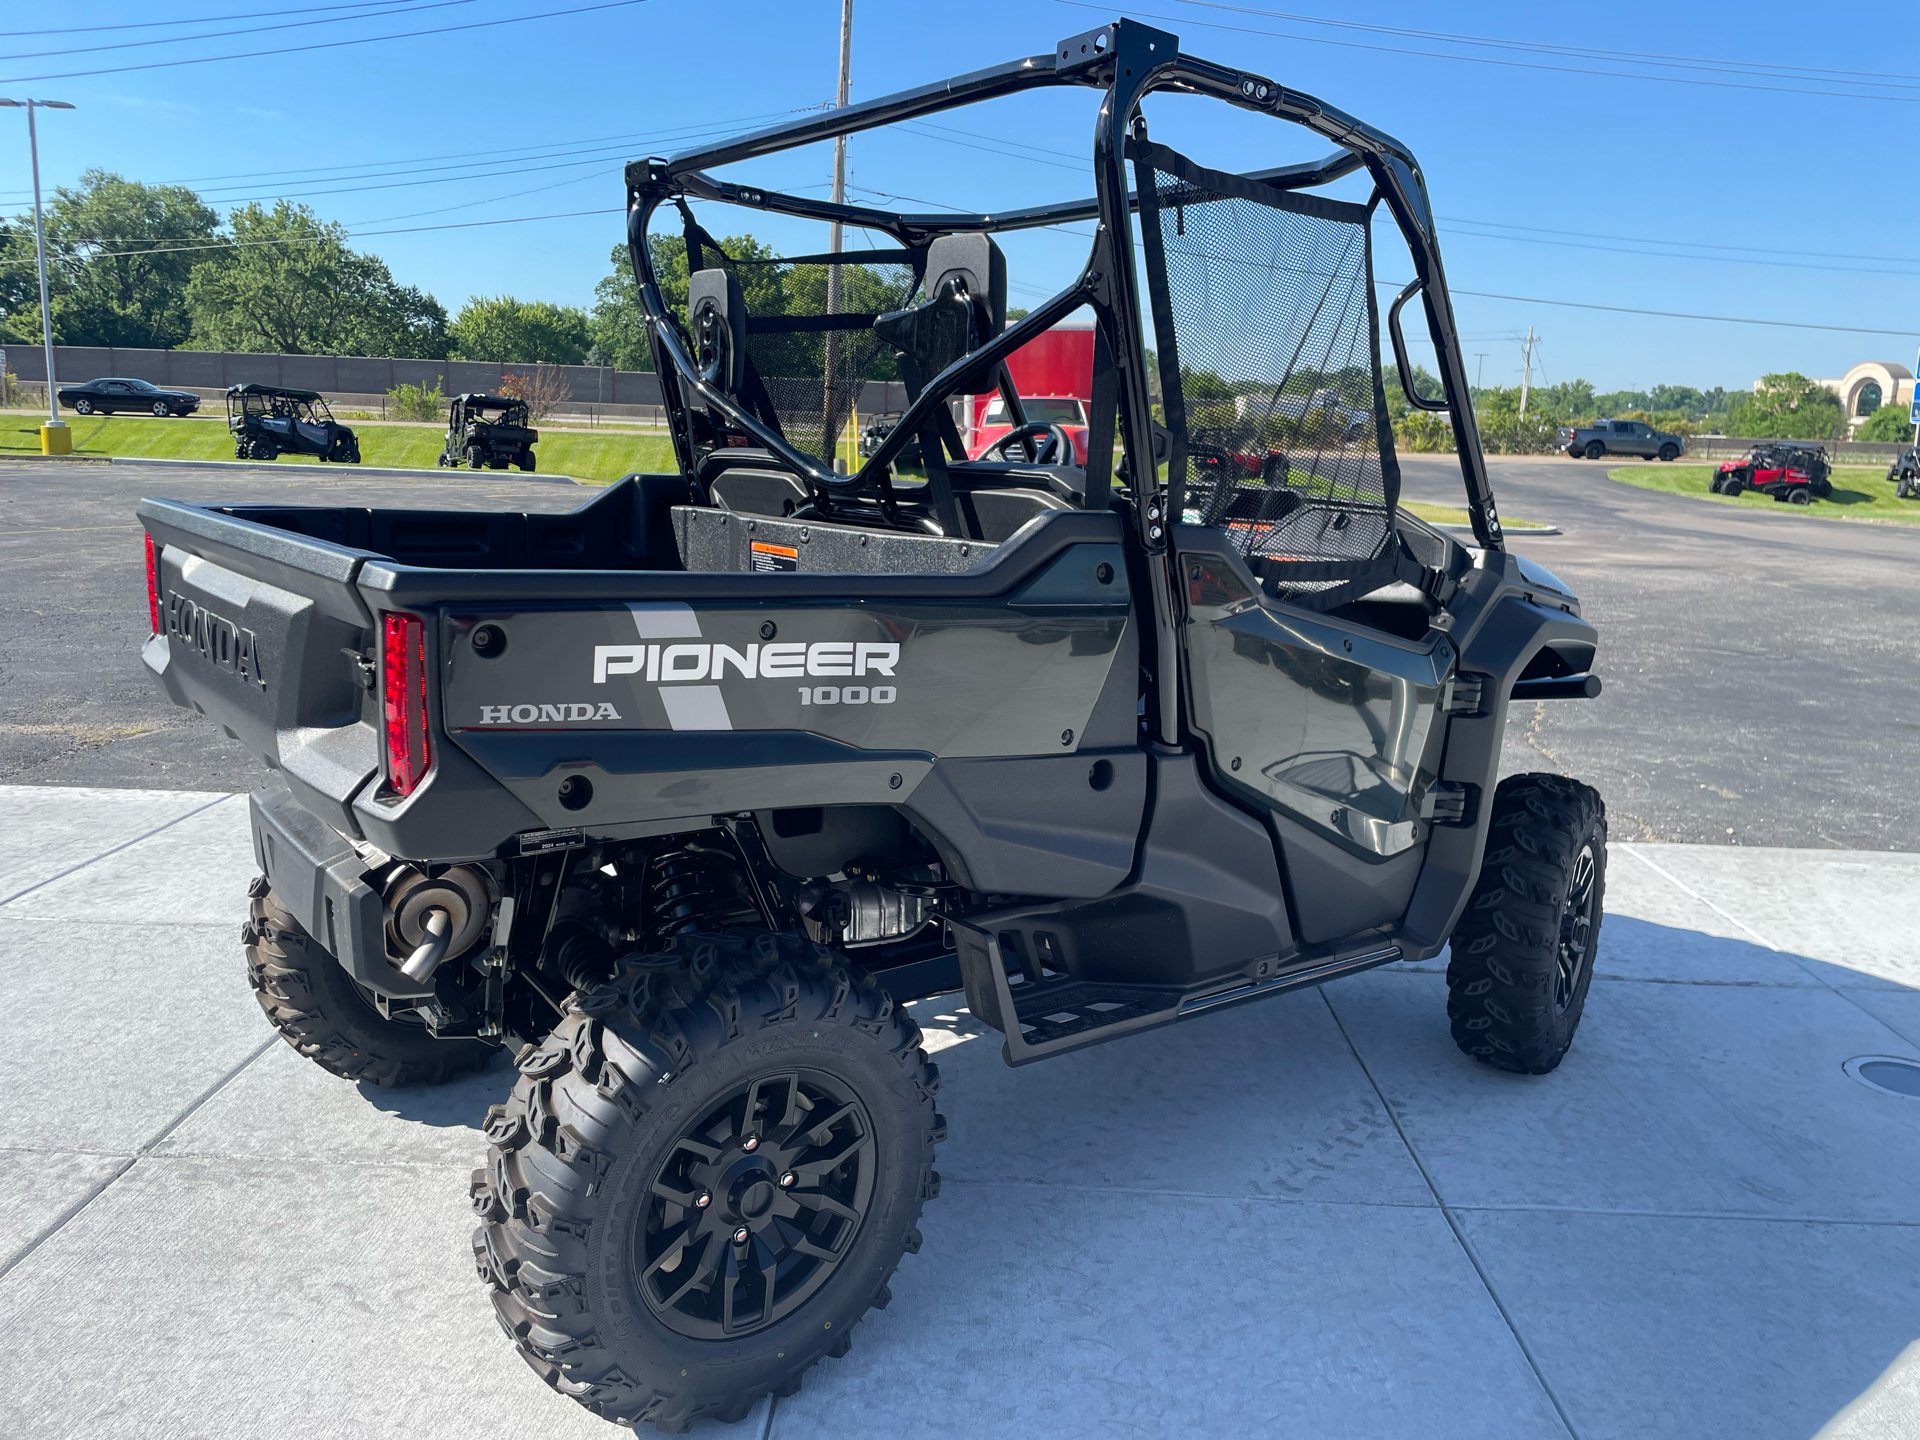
328,45
1771,89
398,7
202,20
1718,64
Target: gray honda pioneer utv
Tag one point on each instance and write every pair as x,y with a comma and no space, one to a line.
684,793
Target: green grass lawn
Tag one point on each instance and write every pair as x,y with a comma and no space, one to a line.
1454,515
602,455
1860,492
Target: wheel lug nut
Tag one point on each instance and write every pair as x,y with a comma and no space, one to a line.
788,1178
702,1200
740,1236
752,1142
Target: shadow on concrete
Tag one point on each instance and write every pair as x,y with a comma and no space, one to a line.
460,1103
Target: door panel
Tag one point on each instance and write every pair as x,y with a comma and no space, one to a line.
1334,725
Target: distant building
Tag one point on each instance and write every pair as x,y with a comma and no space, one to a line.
1868,386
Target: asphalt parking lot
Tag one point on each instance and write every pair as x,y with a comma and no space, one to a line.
1763,686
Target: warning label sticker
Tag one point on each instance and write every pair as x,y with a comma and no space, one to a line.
774,557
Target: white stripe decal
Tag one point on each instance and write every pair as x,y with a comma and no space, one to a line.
695,707
664,620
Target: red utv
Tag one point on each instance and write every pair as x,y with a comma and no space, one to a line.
1794,474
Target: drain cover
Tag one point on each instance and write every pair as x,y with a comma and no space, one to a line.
1888,1074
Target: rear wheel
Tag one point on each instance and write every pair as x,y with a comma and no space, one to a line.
315,1005
474,458
705,1176
526,460
1595,450
1522,954
1800,495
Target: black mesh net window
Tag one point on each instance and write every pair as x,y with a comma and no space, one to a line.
810,337
1269,368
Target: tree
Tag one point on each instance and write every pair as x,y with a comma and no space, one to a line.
1889,422
501,328
619,332
19,285
291,284
119,255
1788,406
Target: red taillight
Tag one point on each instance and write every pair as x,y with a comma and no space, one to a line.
153,584
404,672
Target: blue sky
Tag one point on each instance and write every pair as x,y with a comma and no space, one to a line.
535,118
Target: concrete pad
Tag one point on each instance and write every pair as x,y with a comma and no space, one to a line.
1857,911
1071,1312
235,1298
37,1187
1899,1010
50,830
1263,1100
108,1033
1656,929
283,1107
1674,1099
1708,1329
194,872
1889,1409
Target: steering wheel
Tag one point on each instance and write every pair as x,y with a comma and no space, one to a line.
1045,444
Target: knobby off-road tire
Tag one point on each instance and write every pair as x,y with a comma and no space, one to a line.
595,1238
318,1010
1523,951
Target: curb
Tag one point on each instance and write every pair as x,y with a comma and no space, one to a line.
270,467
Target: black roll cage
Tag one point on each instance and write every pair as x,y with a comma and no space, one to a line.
1129,61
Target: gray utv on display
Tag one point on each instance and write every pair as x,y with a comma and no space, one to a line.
683,794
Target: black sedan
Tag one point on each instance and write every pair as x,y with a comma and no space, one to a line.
106,397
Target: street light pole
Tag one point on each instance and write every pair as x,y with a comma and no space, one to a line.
59,443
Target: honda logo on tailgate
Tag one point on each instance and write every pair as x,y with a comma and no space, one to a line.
230,647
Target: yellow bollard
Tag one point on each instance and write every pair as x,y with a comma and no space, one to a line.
56,440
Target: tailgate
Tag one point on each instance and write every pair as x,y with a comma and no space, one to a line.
263,632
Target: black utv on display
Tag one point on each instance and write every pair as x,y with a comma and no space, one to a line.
268,421
683,794
488,432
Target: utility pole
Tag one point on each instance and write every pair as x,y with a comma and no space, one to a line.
1526,373
1480,370
54,437
831,428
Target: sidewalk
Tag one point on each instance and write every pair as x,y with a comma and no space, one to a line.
1311,1217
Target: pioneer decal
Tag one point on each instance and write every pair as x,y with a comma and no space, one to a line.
788,660
231,648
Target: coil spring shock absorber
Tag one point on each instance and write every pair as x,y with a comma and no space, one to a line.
696,889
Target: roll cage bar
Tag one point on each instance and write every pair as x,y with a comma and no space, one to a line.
1129,61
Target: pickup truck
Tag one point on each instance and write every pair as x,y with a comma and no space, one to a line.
1620,437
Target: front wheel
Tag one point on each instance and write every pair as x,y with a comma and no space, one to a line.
1522,954
1669,453
1595,450
705,1176
1735,487
315,1005
83,407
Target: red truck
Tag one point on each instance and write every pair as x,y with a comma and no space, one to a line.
1053,374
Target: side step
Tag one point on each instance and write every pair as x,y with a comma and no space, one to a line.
1042,1012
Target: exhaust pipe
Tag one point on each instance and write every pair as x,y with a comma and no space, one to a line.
420,965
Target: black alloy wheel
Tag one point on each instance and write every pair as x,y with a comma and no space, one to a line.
1595,450
755,1205
1576,930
